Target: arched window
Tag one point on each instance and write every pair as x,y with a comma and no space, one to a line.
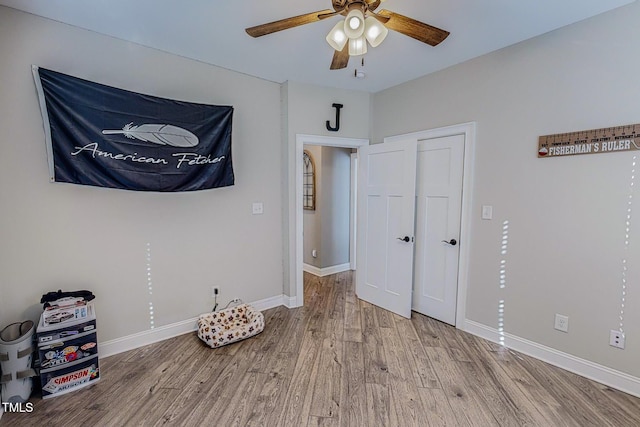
308,182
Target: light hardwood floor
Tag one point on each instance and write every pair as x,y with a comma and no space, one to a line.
336,361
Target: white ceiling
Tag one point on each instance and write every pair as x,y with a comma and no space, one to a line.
212,31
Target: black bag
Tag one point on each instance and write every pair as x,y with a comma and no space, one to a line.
50,297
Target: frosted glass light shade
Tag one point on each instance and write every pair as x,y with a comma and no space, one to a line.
357,46
374,31
354,24
337,37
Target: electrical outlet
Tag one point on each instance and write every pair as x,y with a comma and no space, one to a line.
215,291
616,339
562,323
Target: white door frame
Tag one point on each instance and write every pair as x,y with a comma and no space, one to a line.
353,210
469,132
295,202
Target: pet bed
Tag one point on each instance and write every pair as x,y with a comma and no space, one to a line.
230,325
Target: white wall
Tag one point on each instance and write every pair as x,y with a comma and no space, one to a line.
335,198
312,231
567,215
66,236
306,110
326,228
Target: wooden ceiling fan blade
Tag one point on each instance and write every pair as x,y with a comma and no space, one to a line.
383,19
284,24
373,4
410,27
327,15
340,58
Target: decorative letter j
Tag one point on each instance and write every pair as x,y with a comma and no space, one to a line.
331,128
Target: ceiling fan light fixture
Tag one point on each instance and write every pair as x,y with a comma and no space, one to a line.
374,31
357,46
337,37
358,28
354,24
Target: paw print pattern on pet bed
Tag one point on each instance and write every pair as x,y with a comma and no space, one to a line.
230,325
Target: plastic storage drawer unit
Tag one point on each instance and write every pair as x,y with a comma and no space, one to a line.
68,355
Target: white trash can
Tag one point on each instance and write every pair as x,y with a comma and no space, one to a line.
16,354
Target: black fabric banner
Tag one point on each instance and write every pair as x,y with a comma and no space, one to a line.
108,137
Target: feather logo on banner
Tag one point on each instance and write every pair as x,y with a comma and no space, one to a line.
158,134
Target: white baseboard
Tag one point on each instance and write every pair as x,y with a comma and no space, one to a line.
266,304
291,302
321,272
312,269
602,374
161,333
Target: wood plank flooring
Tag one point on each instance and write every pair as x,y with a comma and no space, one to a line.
337,361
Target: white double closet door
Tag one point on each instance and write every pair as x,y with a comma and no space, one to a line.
409,210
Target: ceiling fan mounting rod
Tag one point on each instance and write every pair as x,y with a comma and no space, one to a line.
356,4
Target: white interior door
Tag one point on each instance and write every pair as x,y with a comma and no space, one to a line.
440,164
386,207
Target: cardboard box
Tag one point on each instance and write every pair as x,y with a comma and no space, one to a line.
57,315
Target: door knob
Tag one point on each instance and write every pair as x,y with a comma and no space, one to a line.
451,242
405,239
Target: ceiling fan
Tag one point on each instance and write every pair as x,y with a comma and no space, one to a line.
362,24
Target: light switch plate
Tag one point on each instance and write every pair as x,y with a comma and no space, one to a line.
258,208
487,212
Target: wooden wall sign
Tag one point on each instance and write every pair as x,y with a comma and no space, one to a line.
595,141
